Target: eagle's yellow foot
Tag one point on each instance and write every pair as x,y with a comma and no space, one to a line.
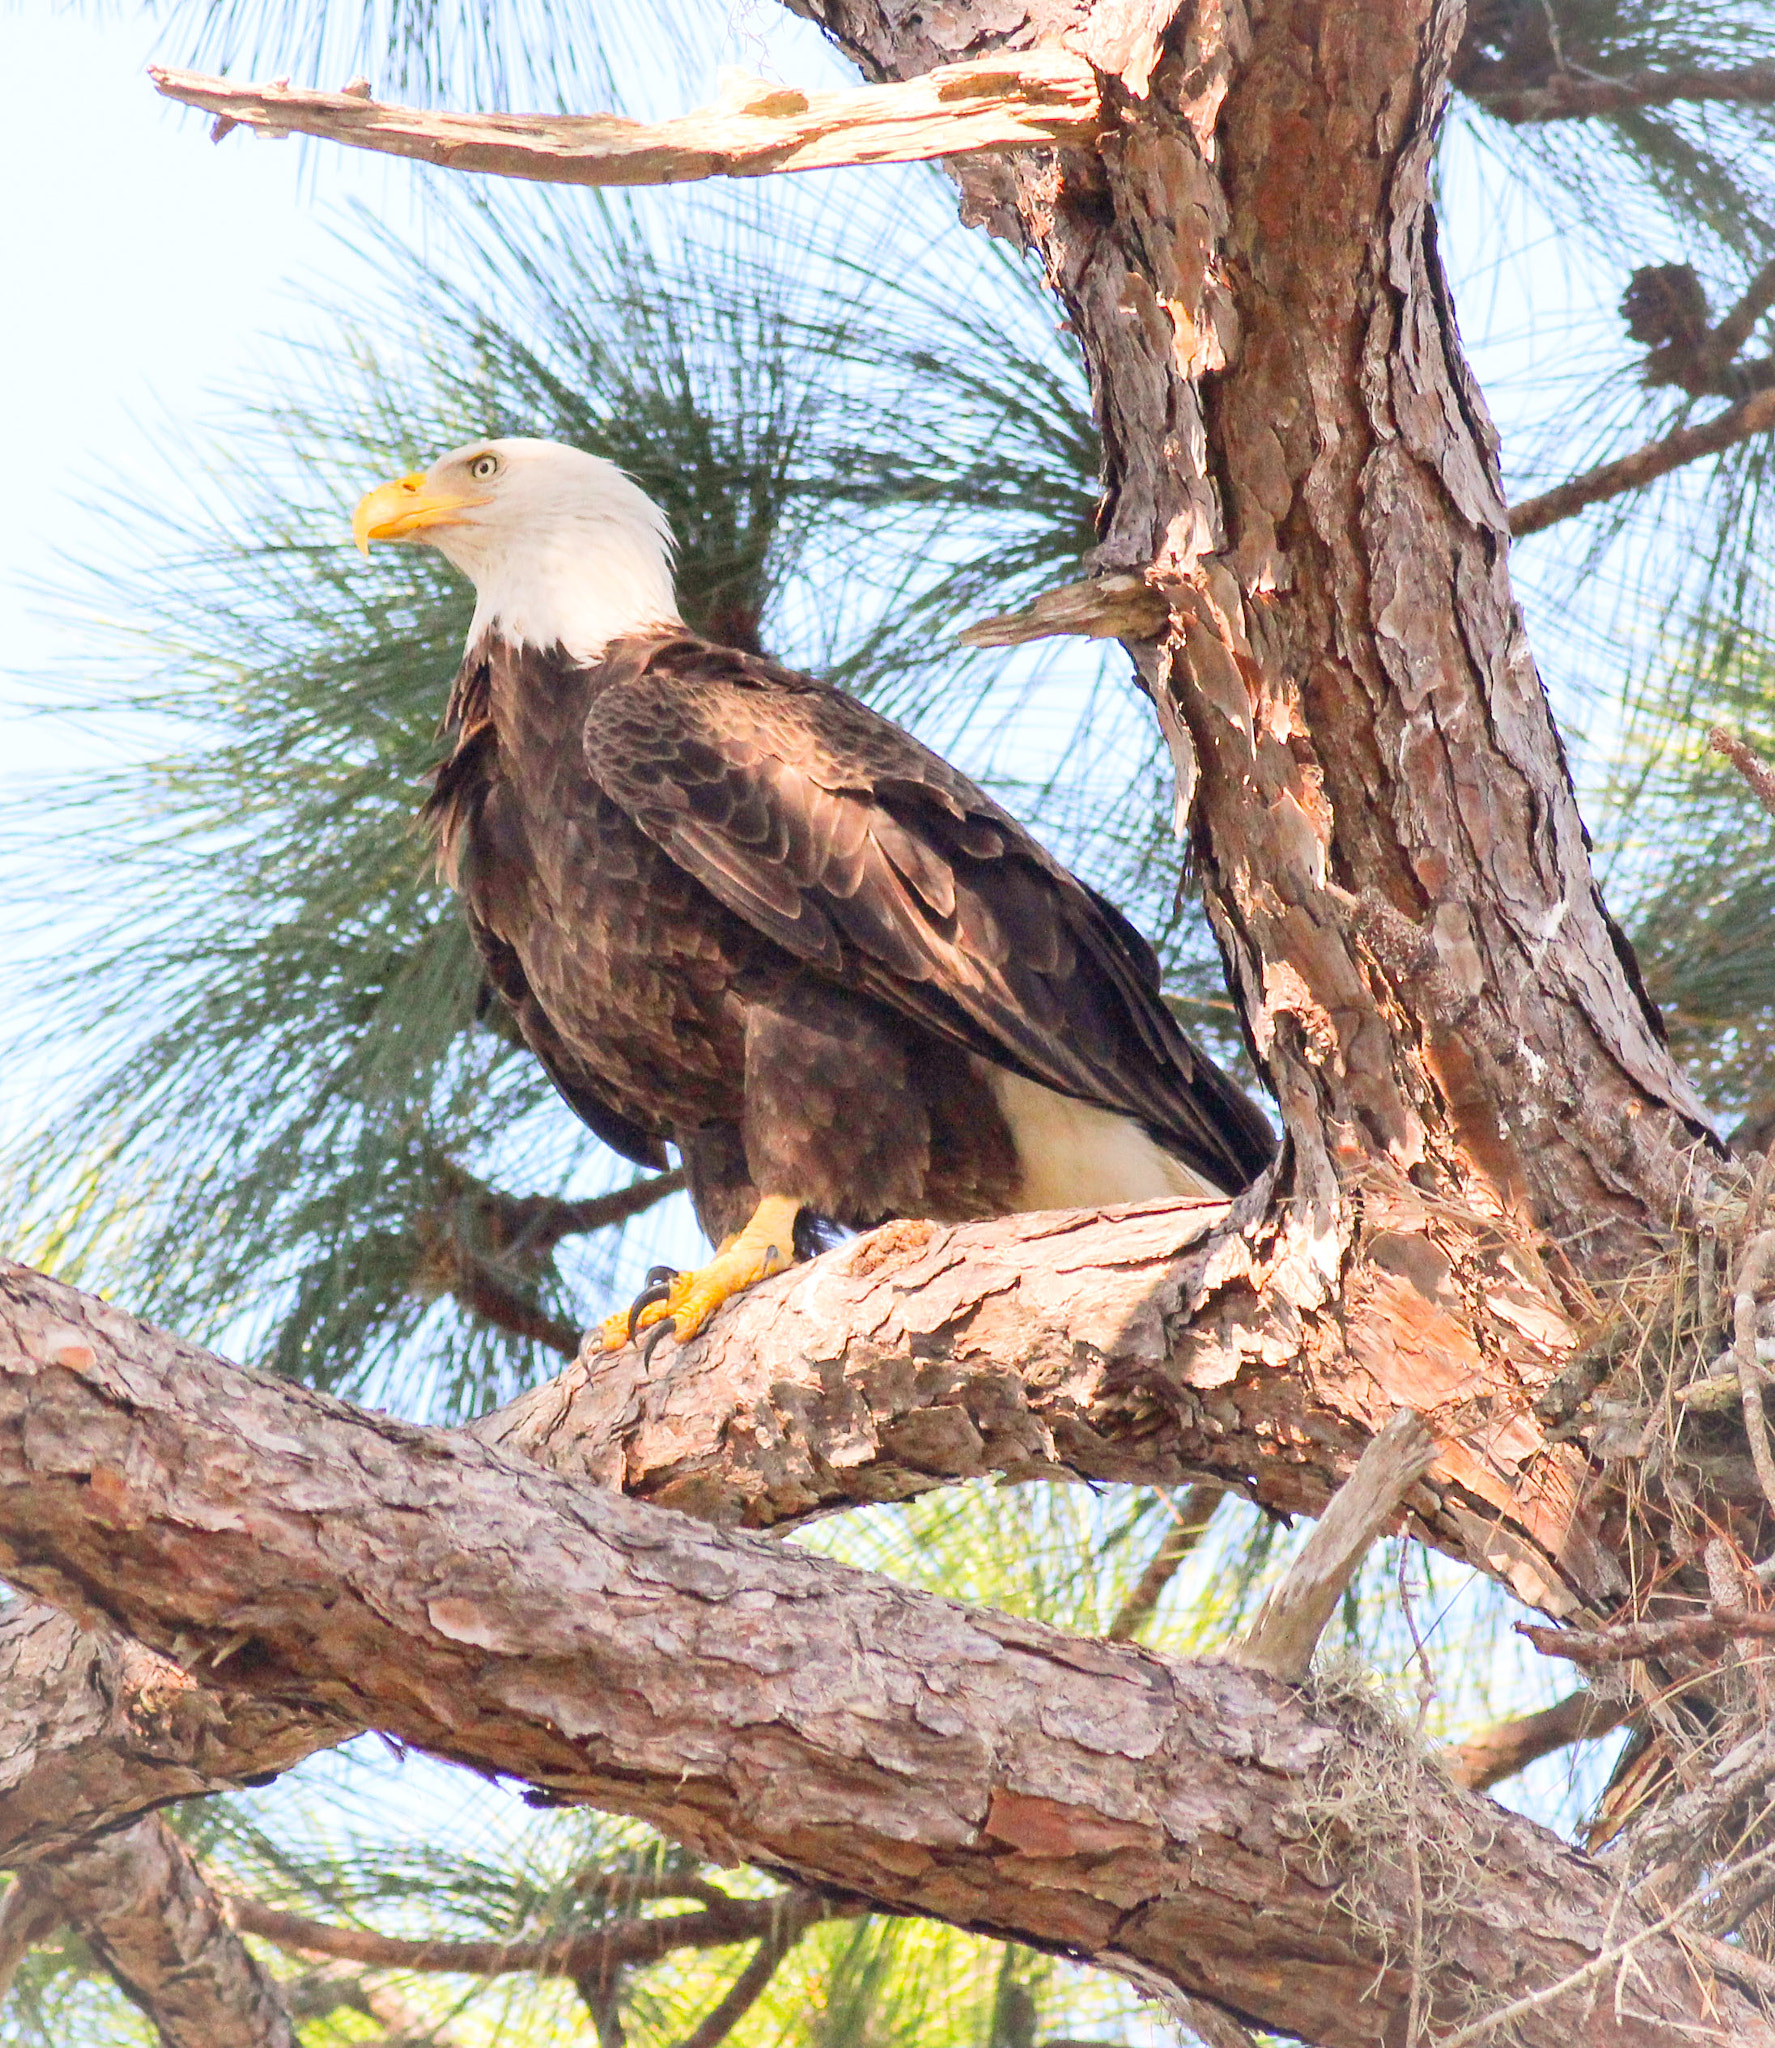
684,1302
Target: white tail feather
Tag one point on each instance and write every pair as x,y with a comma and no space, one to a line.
1073,1155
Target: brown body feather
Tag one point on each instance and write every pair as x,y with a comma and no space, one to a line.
733,908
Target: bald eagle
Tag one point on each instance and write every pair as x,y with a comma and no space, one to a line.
734,910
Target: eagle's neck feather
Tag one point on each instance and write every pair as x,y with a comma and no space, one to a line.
577,590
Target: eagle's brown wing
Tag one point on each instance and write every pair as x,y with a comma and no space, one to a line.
580,1088
861,852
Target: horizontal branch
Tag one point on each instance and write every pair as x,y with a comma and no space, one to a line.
758,1701
1707,1632
1012,100
1154,1346
584,1952
1577,96
1753,415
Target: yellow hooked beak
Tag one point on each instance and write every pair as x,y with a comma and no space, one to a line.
396,511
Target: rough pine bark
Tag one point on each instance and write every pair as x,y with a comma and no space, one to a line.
1196,1826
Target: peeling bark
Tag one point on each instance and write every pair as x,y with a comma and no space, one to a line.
1006,101
1177,1822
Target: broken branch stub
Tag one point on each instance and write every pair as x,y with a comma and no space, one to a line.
1013,100
1286,1632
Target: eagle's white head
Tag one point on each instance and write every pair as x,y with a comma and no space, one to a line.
562,548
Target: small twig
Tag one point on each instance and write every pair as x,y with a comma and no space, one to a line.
1571,96
1751,765
1193,1514
1587,1973
1286,1632
1010,100
1753,415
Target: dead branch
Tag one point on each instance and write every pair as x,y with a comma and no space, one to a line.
1099,608
1500,1751
1707,1632
1191,1515
1043,98
1577,96
583,1952
1286,1632
150,1915
751,1699
1753,415
1755,770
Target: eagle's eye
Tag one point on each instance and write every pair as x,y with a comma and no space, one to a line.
484,466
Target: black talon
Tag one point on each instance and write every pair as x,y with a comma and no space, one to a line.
667,1326
659,1285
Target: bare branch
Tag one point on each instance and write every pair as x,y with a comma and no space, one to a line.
759,1701
1192,1516
1707,1632
581,1953
1012,100
144,1908
559,1219
1748,763
1576,96
1099,608
1500,1751
745,1990
1753,415
1286,1632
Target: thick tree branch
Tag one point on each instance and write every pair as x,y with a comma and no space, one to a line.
144,1908
1751,416
96,1729
1019,100
758,1701
1578,96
